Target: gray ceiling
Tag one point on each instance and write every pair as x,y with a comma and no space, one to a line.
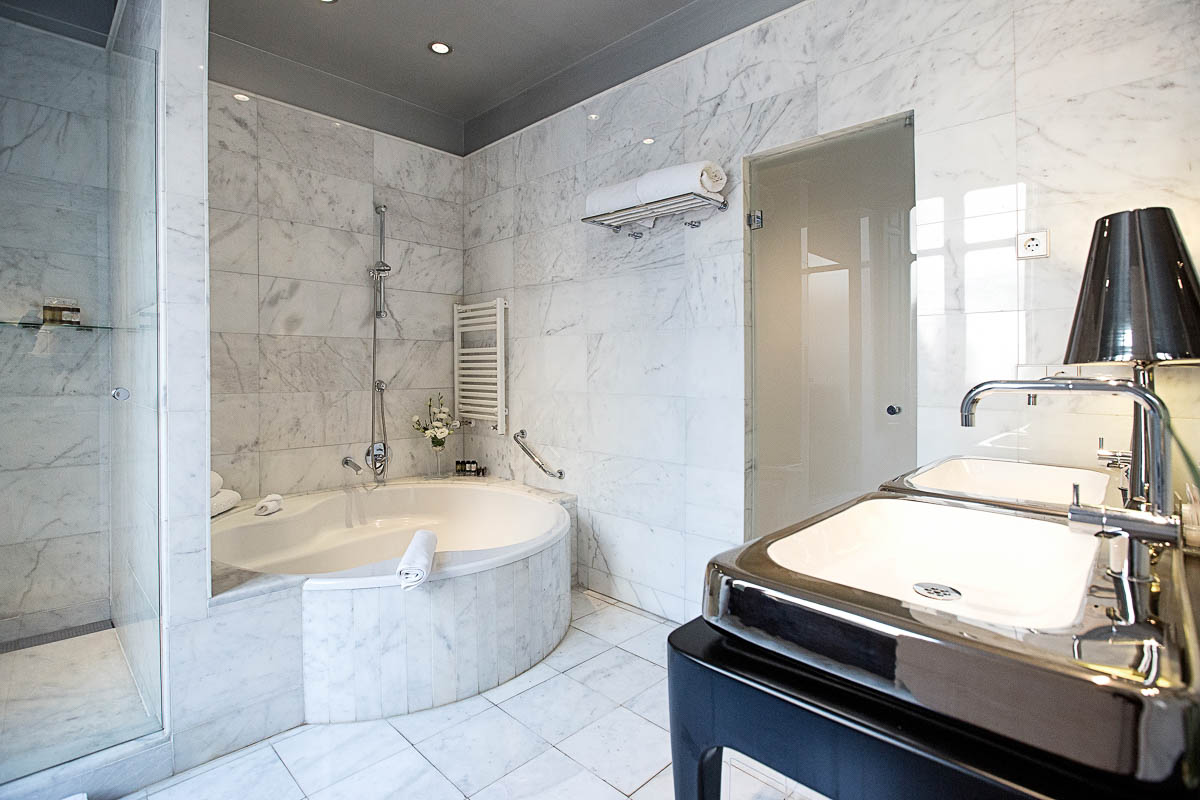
514,61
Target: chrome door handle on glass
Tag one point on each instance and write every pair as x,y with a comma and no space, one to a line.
120,393
894,410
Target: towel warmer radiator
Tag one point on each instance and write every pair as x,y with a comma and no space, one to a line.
479,378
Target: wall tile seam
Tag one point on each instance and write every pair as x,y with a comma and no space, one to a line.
1075,98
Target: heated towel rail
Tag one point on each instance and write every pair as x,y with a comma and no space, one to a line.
479,363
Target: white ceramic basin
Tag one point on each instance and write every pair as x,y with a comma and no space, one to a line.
1012,480
1011,571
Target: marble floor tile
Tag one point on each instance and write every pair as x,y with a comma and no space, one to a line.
652,704
622,748
651,645
556,708
575,648
420,725
258,774
325,754
531,677
65,699
404,776
583,604
744,786
618,675
660,787
482,749
614,625
550,776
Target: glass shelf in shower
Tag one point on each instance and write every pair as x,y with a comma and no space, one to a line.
53,326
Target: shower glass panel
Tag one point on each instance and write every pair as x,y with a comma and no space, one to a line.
79,544
833,365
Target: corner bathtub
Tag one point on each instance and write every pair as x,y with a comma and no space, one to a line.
496,602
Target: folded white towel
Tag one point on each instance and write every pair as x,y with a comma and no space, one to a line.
702,177
223,501
268,505
417,559
215,482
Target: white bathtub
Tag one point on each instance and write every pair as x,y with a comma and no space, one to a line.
353,538
497,601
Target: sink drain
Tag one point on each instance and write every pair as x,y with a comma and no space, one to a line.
937,591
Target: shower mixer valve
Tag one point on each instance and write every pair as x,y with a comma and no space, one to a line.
377,457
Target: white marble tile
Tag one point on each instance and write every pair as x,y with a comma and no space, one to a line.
232,124
488,219
311,308
232,181
1077,151
258,773
551,145
313,142
614,625
631,549
622,748
417,218
1070,48
632,363
650,645
234,301
488,267
490,170
293,193
526,680
322,755
551,310
404,775
715,291
646,300
775,56
233,241
420,725
617,674
649,491
554,199
583,604
418,169
558,707
311,252
548,777
716,432
418,621
974,65
309,363
952,178
575,648
50,143
652,704
482,749
425,267
548,255
660,787
367,655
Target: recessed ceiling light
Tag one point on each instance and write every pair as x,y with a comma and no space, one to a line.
329,2
441,48
593,116
241,98
337,124
647,140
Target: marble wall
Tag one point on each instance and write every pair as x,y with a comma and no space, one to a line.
54,533
627,357
292,234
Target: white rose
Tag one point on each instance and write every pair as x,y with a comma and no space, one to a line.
429,433
445,409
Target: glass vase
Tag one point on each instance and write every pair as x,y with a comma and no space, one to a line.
437,462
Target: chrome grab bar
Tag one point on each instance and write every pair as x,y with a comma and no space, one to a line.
519,437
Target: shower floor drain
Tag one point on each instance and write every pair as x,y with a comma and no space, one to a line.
937,591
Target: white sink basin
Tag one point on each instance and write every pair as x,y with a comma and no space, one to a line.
1011,571
1012,480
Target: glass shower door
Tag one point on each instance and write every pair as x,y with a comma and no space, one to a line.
832,394
79,560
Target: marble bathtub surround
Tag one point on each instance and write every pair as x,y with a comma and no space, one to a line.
292,234
542,734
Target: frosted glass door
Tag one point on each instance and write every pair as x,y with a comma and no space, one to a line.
833,390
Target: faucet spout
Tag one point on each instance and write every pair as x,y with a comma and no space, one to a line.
1155,410
350,463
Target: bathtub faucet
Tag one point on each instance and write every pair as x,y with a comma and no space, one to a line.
350,463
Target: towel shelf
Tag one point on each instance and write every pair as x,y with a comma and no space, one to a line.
659,208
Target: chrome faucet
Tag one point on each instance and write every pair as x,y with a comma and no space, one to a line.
350,463
1148,519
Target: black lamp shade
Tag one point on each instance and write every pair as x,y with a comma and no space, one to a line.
1140,300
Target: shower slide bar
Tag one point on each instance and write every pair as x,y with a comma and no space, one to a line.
519,438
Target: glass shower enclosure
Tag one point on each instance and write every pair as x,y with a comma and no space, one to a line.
79,521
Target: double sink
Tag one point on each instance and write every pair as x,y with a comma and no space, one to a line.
962,589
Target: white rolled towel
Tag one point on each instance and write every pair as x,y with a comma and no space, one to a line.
222,501
215,482
268,505
612,198
417,560
702,177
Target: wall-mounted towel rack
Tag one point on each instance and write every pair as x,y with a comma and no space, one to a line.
659,208
479,363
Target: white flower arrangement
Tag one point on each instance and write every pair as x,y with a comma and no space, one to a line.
438,425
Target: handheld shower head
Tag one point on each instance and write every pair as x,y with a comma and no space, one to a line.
381,268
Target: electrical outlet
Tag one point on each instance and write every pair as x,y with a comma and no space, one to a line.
1035,244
